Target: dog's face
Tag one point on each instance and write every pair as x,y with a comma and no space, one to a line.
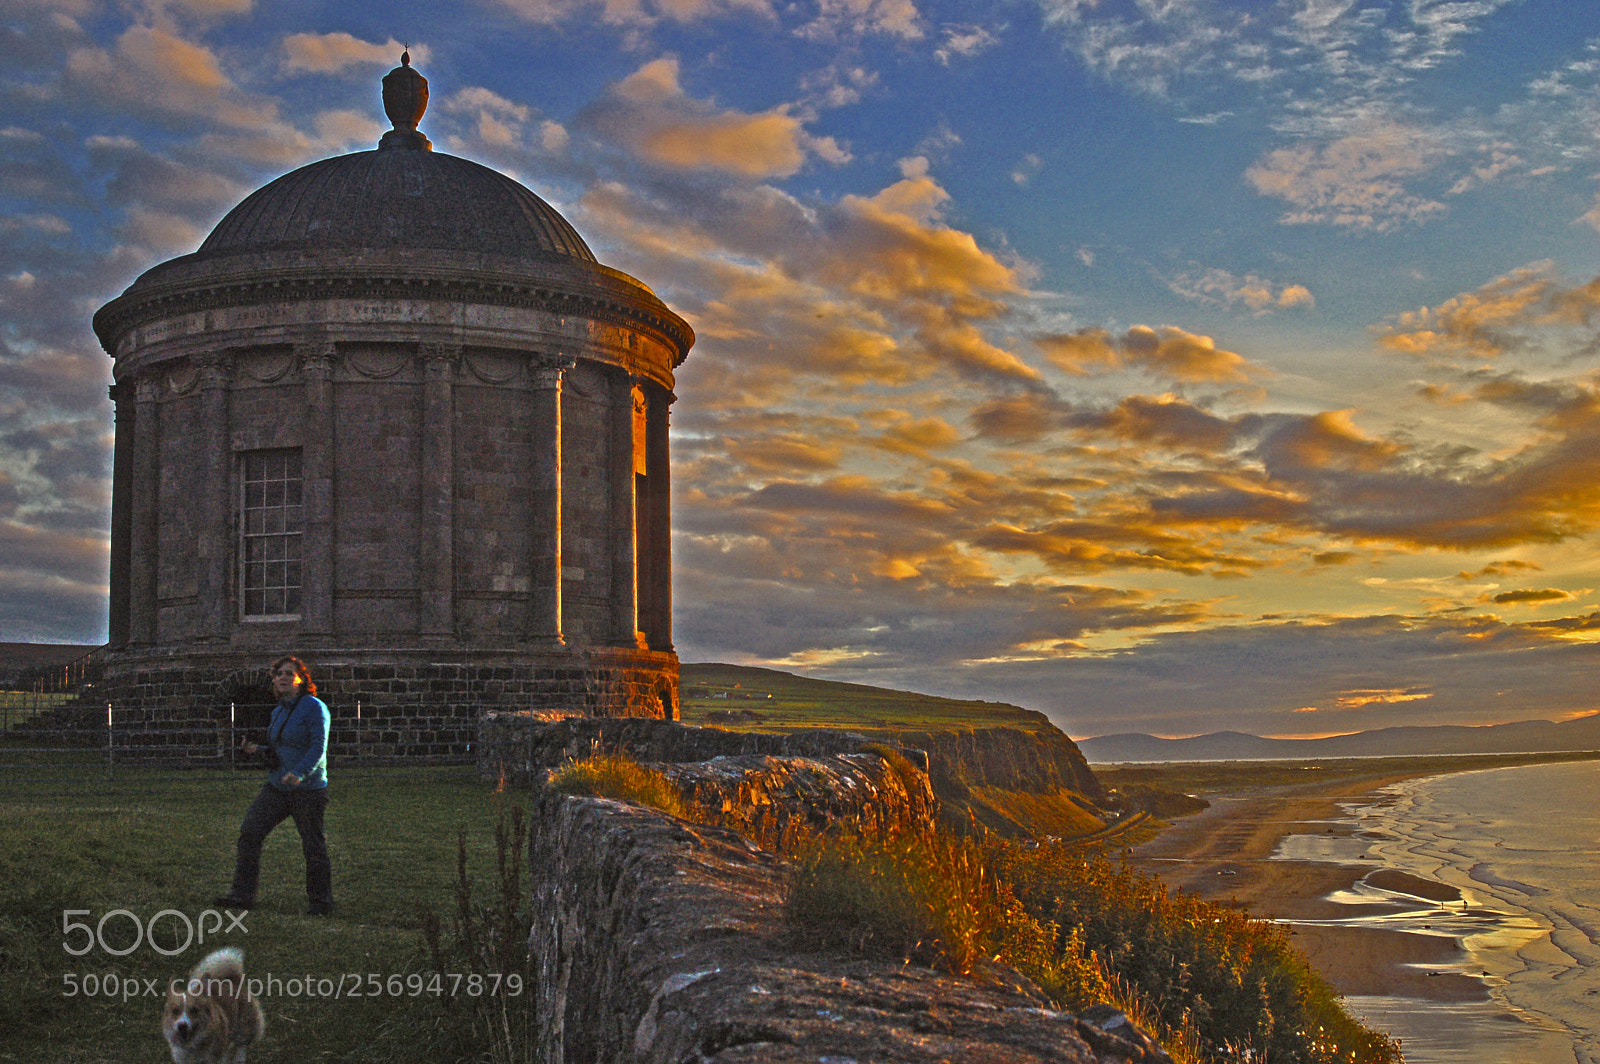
197,1028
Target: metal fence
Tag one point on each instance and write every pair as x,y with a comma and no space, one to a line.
69,741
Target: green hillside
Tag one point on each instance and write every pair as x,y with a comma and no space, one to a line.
743,697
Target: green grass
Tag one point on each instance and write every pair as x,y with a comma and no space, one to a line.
799,703
17,707
150,842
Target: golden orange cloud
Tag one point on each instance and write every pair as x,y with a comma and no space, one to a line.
330,53
1360,699
1169,351
649,113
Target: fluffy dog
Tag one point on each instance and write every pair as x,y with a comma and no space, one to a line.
212,1018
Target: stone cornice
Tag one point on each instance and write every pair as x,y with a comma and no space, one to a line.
592,292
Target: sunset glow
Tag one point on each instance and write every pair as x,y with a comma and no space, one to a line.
1163,367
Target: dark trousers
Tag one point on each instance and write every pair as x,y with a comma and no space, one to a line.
271,808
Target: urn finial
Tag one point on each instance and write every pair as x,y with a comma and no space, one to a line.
405,98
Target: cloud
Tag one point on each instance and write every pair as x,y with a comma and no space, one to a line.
635,13
1027,169
204,8
1502,568
839,20
1502,161
1455,670
1362,698
964,42
1355,181
649,114
1169,352
1532,597
155,72
1523,309
334,53
1218,287
498,124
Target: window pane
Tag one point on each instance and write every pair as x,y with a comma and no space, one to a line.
270,523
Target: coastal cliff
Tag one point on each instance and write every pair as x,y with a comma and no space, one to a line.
971,769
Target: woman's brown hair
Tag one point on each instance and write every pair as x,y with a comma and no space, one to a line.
307,685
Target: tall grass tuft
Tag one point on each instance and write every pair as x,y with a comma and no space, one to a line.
1230,985
928,898
490,944
621,777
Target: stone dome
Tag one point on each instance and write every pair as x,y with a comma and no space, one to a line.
397,197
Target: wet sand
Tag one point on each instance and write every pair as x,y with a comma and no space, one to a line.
1224,855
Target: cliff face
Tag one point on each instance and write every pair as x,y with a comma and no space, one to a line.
1039,762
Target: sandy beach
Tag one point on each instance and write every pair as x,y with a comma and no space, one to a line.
1224,855
1421,946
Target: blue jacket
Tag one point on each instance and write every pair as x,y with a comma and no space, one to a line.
299,734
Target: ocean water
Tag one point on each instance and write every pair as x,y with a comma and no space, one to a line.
1522,846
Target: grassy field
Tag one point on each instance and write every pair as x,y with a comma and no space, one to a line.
767,700
149,843
19,706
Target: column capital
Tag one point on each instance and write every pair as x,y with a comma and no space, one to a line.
146,390
545,370
440,359
316,358
216,371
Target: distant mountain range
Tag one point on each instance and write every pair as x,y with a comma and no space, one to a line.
1523,736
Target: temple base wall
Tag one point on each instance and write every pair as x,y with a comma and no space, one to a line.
409,706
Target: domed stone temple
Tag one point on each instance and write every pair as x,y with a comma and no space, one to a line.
394,417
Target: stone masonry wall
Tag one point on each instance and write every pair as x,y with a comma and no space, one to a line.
410,709
660,942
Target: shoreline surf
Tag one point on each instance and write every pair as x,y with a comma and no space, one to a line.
1418,948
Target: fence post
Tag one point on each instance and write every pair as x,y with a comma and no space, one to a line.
358,730
232,742
111,747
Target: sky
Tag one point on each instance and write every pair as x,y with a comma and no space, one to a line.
1167,366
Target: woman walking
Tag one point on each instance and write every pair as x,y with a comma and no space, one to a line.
297,786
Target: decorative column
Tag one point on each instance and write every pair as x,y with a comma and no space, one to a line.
145,497
121,516
627,462
658,481
215,500
437,536
544,498
316,471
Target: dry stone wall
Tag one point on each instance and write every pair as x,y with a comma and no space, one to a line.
660,942
657,941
